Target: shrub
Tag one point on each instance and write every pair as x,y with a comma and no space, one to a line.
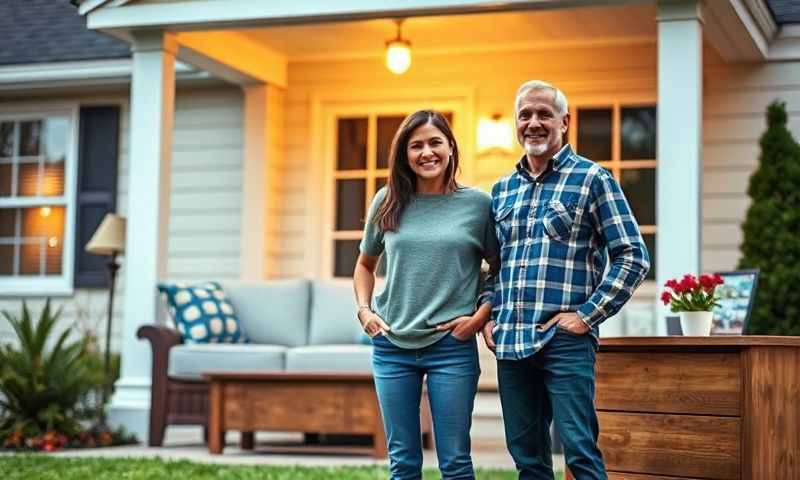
771,242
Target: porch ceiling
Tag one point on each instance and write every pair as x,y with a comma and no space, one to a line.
453,33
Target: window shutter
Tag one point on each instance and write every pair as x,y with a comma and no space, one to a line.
97,187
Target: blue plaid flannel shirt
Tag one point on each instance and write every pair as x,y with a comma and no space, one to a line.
557,233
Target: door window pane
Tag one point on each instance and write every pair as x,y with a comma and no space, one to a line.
387,127
350,202
351,151
345,256
594,133
638,133
30,135
6,139
639,186
380,182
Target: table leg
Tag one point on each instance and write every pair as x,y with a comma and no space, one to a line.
216,434
247,440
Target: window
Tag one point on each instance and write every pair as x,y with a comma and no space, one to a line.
622,138
35,206
361,168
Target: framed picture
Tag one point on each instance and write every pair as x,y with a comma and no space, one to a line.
736,297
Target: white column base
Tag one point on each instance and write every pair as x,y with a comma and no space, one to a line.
130,406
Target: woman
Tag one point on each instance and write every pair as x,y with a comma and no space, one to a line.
434,235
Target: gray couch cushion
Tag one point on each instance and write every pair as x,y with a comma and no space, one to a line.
333,313
330,358
273,312
191,361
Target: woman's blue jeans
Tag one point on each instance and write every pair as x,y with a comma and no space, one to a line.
452,371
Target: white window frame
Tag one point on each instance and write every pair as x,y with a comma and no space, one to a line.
51,285
327,110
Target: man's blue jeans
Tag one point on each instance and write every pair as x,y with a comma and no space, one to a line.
554,384
452,370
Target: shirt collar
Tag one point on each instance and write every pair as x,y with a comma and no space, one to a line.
556,163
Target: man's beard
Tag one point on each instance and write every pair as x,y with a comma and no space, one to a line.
536,149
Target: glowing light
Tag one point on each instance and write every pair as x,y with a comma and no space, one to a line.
53,242
45,212
398,53
495,133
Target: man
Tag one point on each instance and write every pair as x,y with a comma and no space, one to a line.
561,220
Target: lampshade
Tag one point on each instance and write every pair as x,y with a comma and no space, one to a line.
495,133
398,52
109,237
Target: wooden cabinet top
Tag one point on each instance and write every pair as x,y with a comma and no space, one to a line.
732,342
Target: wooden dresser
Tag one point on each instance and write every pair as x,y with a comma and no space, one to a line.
700,407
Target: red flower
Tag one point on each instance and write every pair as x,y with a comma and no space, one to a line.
708,282
666,297
718,279
688,283
673,284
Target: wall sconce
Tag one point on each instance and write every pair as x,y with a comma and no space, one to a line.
398,52
495,133
45,212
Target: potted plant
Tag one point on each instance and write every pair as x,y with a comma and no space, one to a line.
694,300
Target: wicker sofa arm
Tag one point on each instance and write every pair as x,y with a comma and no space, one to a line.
161,340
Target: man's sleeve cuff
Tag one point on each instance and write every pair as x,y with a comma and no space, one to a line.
589,315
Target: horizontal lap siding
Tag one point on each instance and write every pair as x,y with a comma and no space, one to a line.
735,102
205,212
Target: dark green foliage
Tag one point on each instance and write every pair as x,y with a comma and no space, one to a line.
42,384
772,229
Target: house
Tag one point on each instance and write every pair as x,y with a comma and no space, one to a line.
243,140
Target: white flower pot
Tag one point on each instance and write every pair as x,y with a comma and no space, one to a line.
696,324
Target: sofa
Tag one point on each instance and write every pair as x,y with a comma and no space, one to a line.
295,325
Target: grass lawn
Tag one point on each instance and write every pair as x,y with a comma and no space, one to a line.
42,467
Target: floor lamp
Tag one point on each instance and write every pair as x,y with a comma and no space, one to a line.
108,240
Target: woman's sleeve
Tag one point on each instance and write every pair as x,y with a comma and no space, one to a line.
491,254
372,241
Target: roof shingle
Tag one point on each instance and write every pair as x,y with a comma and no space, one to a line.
40,31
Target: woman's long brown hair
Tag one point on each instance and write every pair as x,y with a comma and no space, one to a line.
402,185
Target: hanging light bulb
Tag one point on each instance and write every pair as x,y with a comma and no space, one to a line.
398,52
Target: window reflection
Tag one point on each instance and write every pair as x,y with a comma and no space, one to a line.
638,133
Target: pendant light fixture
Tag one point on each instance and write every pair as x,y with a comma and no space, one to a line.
398,52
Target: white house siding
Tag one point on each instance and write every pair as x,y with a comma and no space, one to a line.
736,98
205,208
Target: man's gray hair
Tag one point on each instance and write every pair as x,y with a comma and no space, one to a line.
560,100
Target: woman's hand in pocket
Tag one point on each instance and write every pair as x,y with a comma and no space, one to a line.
463,328
372,323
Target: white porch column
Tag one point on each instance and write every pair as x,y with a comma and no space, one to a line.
263,136
152,107
680,137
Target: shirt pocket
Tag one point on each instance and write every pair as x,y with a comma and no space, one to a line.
559,221
503,223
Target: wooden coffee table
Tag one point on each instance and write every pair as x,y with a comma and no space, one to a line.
297,402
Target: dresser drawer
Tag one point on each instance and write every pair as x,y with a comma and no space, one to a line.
671,445
697,383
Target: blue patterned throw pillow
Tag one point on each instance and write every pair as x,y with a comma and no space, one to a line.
202,313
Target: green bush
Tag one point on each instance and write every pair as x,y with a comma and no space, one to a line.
772,229
43,389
